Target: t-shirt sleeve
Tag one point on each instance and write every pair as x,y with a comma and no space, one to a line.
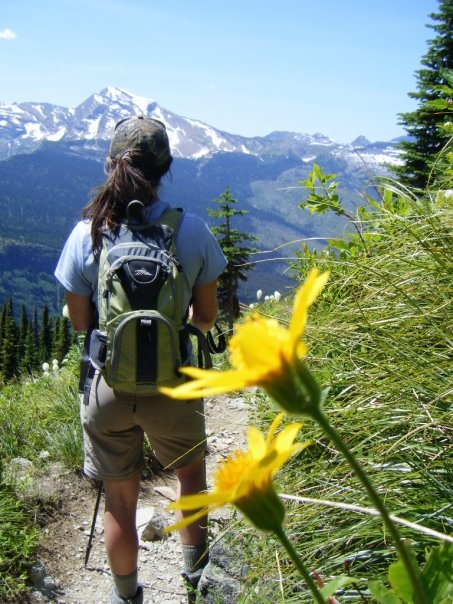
214,260
75,265
199,252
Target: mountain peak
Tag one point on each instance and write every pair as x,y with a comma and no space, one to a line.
24,127
360,141
120,95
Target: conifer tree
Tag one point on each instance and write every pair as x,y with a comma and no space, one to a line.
428,124
8,348
22,332
3,313
35,330
62,339
231,241
45,337
29,361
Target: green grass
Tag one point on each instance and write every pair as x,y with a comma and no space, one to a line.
18,541
381,340
39,420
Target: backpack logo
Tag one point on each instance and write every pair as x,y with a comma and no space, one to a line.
142,272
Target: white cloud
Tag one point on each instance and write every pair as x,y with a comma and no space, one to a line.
7,34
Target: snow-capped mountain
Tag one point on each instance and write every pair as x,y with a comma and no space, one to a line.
88,127
24,126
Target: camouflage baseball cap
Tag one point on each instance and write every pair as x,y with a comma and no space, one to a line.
147,138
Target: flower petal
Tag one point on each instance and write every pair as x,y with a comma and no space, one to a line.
256,443
286,437
305,297
210,383
197,501
187,520
273,427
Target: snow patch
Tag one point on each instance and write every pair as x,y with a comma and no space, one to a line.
58,135
34,131
93,127
203,152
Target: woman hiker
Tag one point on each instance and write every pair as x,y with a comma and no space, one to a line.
114,423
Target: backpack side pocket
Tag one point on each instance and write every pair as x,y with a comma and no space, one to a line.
143,353
98,349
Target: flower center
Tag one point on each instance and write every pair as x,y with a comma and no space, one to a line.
232,470
257,344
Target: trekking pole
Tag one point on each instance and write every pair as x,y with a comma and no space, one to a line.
93,523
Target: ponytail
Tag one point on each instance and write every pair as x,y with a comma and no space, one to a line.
125,182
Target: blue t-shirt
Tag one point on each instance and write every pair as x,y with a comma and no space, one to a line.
198,251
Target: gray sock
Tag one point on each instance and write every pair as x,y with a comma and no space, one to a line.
126,585
195,557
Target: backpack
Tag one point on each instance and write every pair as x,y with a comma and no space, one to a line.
143,337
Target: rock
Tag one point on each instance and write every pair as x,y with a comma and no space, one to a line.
37,573
44,585
150,525
32,483
166,492
217,586
223,575
18,470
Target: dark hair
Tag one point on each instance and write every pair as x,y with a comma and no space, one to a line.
128,179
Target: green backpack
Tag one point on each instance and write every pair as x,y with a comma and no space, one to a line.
143,337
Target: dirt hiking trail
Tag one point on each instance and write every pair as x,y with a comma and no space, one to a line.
65,579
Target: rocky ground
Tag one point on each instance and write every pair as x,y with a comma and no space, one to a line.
61,575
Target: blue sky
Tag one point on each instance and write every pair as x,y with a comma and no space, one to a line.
248,67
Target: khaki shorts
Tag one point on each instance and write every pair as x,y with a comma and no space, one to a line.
114,425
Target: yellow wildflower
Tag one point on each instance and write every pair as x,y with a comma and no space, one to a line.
245,479
265,353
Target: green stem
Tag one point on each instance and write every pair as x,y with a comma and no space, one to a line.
419,596
280,533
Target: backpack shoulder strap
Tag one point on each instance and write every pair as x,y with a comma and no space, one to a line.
171,218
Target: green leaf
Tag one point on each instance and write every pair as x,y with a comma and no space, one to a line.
337,583
438,574
316,172
382,594
399,579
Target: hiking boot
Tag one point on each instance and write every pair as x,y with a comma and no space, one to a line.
115,598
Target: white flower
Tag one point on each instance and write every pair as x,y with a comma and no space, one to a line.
259,294
45,367
266,298
251,305
277,295
65,311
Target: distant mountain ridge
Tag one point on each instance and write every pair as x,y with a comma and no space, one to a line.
51,161
25,126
